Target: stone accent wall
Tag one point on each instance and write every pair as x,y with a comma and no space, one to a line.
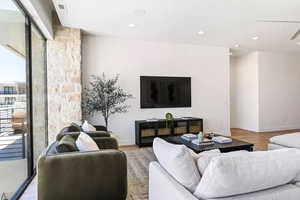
64,79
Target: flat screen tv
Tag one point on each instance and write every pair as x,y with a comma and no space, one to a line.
165,92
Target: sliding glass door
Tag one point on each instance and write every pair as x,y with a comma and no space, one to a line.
23,98
13,99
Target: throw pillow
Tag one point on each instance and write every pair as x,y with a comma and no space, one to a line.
66,144
198,155
205,157
178,162
86,126
85,143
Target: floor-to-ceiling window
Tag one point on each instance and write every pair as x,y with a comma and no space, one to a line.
23,102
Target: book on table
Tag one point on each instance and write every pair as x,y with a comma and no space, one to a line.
189,136
204,142
221,139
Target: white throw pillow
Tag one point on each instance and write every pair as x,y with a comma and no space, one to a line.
198,155
205,157
235,174
85,143
86,126
178,162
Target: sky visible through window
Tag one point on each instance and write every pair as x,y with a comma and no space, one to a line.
7,5
12,66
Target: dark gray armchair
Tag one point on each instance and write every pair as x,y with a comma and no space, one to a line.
95,175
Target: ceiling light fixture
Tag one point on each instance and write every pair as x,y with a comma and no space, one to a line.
237,46
255,38
131,25
201,33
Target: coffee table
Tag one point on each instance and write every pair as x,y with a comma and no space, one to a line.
235,145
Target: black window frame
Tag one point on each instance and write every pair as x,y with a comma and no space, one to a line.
29,23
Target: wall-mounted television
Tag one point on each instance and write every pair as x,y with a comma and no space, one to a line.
165,92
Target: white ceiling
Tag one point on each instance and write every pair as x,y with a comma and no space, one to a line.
225,22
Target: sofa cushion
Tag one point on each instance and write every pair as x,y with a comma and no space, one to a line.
85,143
206,156
178,162
291,140
244,173
66,144
198,155
272,146
284,192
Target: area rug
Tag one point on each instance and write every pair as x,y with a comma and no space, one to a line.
138,167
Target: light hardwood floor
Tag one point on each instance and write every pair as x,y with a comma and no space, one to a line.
260,141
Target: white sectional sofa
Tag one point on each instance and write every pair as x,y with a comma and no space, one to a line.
291,140
269,175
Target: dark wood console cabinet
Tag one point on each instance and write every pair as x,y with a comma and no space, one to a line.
146,131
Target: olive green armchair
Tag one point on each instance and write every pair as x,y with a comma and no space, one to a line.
74,175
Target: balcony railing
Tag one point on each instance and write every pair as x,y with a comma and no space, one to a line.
8,92
12,133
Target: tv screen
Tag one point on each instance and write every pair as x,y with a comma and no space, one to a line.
165,92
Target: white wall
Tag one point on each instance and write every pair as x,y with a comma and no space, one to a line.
279,91
244,92
208,67
265,91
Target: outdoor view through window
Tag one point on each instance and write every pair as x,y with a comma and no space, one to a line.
13,124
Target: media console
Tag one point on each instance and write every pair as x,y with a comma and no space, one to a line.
147,130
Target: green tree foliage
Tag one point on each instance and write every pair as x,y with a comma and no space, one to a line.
105,96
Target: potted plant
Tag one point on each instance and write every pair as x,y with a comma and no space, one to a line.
105,96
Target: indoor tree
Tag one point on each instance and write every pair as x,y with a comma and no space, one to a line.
105,96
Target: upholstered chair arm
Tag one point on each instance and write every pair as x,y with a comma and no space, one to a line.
100,128
106,142
83,175
98,133
93,134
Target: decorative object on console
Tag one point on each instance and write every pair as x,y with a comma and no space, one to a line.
105,96
169,118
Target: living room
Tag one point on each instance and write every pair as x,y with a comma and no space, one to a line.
130,96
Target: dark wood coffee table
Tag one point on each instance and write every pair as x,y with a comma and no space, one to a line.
235,145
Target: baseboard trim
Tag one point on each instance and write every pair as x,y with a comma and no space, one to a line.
268,131
281,128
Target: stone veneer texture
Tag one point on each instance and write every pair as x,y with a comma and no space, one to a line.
64,79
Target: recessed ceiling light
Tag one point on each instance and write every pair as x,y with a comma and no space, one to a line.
236,45
255,38
201,33
131,25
